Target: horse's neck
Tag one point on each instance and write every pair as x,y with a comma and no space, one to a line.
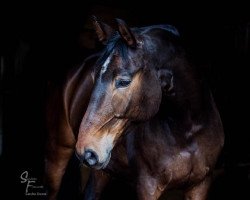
190,98
178,117
148,132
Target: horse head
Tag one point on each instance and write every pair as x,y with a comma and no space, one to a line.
131,77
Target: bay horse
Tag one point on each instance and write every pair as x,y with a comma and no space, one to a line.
139,110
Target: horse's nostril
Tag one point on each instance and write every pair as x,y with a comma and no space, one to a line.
91,157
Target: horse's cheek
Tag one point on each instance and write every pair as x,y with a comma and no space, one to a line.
152,95
119,104
154,98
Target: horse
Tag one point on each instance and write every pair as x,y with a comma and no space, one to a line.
139,110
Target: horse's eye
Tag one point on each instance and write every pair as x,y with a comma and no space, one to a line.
121,83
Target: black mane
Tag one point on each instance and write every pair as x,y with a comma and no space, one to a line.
116,42
171,29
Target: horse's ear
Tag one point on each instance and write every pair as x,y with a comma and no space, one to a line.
103,31
166,79
126,33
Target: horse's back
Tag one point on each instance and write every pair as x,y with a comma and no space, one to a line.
67,101
66,104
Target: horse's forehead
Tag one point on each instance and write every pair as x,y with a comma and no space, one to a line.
112,62
106,63
119,62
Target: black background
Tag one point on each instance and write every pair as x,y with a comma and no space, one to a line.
41,41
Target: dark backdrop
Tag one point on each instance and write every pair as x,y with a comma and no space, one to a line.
40,42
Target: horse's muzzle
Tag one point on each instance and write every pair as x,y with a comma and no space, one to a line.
91,159
88,157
